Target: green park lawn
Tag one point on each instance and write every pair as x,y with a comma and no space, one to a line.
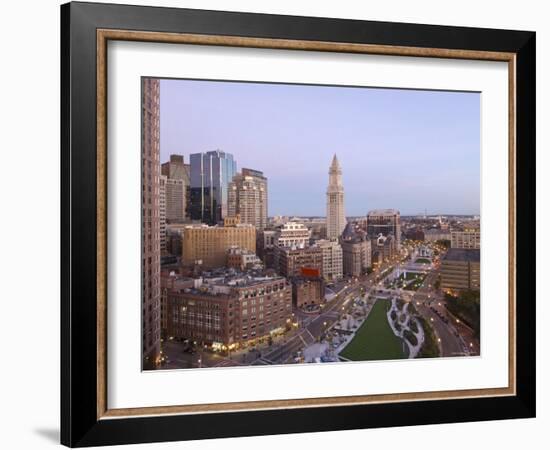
375,339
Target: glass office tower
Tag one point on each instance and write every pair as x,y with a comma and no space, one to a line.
211,173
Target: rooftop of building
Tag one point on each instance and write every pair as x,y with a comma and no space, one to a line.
351,234
205,226
470,228
216,153
222,282
299,248
181,224
235,250
326,243
242,281
234,277
301,279
462,254
252,173
436,231
291,225
174,275
383,212
382,239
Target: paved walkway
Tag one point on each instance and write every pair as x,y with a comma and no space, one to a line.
314,352
413,349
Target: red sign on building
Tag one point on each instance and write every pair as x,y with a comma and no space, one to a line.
310,272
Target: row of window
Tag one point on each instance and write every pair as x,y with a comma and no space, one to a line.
262,291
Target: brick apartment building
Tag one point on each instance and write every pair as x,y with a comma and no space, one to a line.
230,311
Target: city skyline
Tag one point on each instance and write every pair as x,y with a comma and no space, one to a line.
414,180
223,285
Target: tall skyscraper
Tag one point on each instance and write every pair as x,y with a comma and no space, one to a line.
175,200
177,185
162,211
211,173
150,216
386,222
336,219
247,197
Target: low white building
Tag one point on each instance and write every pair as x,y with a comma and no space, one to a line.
292,234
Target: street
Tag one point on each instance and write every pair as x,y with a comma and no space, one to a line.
454,338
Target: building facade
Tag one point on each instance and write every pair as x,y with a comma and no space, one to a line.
175,200
230,313
162,212
291,261
356,251
211,173
384,247
176,169
168,282
336,219
437,234
460,269
265,247
174,237
150,229
470,237
242,259
415,234
386,222
317,228
333,269
308,291
292,234
177,186
247,197
208,245
356,256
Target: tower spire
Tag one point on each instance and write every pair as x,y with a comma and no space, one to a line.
336,220
335,165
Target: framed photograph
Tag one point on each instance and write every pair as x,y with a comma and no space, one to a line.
278,224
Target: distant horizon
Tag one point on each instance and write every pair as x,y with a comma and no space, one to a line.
302,216
419,213
409,150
